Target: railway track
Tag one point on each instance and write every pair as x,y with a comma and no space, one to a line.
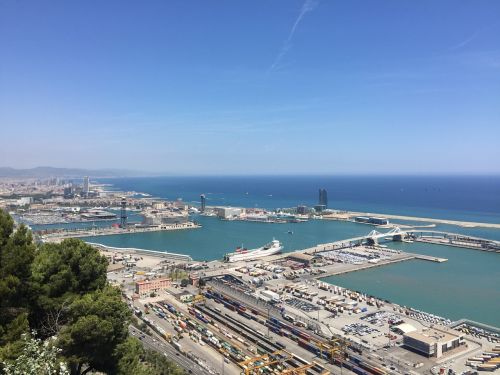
263,343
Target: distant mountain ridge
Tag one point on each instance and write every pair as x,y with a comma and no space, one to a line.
42,172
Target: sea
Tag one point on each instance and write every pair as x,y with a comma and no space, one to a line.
467,286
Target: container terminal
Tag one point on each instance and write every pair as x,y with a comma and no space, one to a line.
275,315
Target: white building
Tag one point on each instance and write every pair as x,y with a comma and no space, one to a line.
229,212
433,342
23,201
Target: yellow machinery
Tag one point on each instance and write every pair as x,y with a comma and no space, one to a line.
199,298
250,366
335,348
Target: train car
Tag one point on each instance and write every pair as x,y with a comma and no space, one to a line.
274,320
304,336
280,345
229,306
245,314
308,346
359,371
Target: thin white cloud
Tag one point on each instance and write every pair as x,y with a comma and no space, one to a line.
466,41
308,6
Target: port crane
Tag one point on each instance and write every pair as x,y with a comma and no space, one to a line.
250,366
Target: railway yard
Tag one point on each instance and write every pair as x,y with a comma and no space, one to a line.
276,316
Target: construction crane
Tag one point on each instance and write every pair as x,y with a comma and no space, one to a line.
255,363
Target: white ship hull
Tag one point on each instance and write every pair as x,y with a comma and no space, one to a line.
271,248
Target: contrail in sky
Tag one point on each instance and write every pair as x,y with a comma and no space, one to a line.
308,6
466,41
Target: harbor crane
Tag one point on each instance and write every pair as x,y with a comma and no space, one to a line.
250,366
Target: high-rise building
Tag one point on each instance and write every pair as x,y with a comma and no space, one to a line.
203,200
69,192
323,198
86,185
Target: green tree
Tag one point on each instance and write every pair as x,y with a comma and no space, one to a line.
17,252
97,326
16,257
6,227
129,356
61,290
61,273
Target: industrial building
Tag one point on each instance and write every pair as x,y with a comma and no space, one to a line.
433,342
159,218
305,259
95,214
403,328
146,287
228,212
371,220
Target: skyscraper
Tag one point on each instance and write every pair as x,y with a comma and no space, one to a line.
203,202
86,185
323,198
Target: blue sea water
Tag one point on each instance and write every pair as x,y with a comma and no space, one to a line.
464,287
468,198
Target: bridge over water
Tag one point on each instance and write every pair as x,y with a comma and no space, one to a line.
421,235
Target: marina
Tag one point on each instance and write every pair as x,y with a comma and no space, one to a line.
59,235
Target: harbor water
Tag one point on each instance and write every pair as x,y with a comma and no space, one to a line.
464,287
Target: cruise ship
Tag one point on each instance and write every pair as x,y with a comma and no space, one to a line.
273,247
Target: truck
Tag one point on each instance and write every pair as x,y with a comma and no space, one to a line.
269,294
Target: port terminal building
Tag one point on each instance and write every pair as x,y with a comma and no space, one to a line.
228,212
433,342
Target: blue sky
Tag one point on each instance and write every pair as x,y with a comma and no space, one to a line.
251,87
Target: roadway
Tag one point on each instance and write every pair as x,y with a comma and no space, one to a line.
160,346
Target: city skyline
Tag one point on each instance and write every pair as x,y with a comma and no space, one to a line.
177,88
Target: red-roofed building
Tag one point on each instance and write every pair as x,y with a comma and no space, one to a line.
146,287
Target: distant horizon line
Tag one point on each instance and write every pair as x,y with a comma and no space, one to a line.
132,173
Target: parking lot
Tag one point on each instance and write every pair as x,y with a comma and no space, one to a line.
359,329
301,304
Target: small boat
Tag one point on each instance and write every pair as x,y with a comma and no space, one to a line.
290,232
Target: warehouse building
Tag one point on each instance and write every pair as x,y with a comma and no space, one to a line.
433,342
305,259
229,212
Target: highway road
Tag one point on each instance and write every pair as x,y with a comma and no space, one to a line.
158,345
